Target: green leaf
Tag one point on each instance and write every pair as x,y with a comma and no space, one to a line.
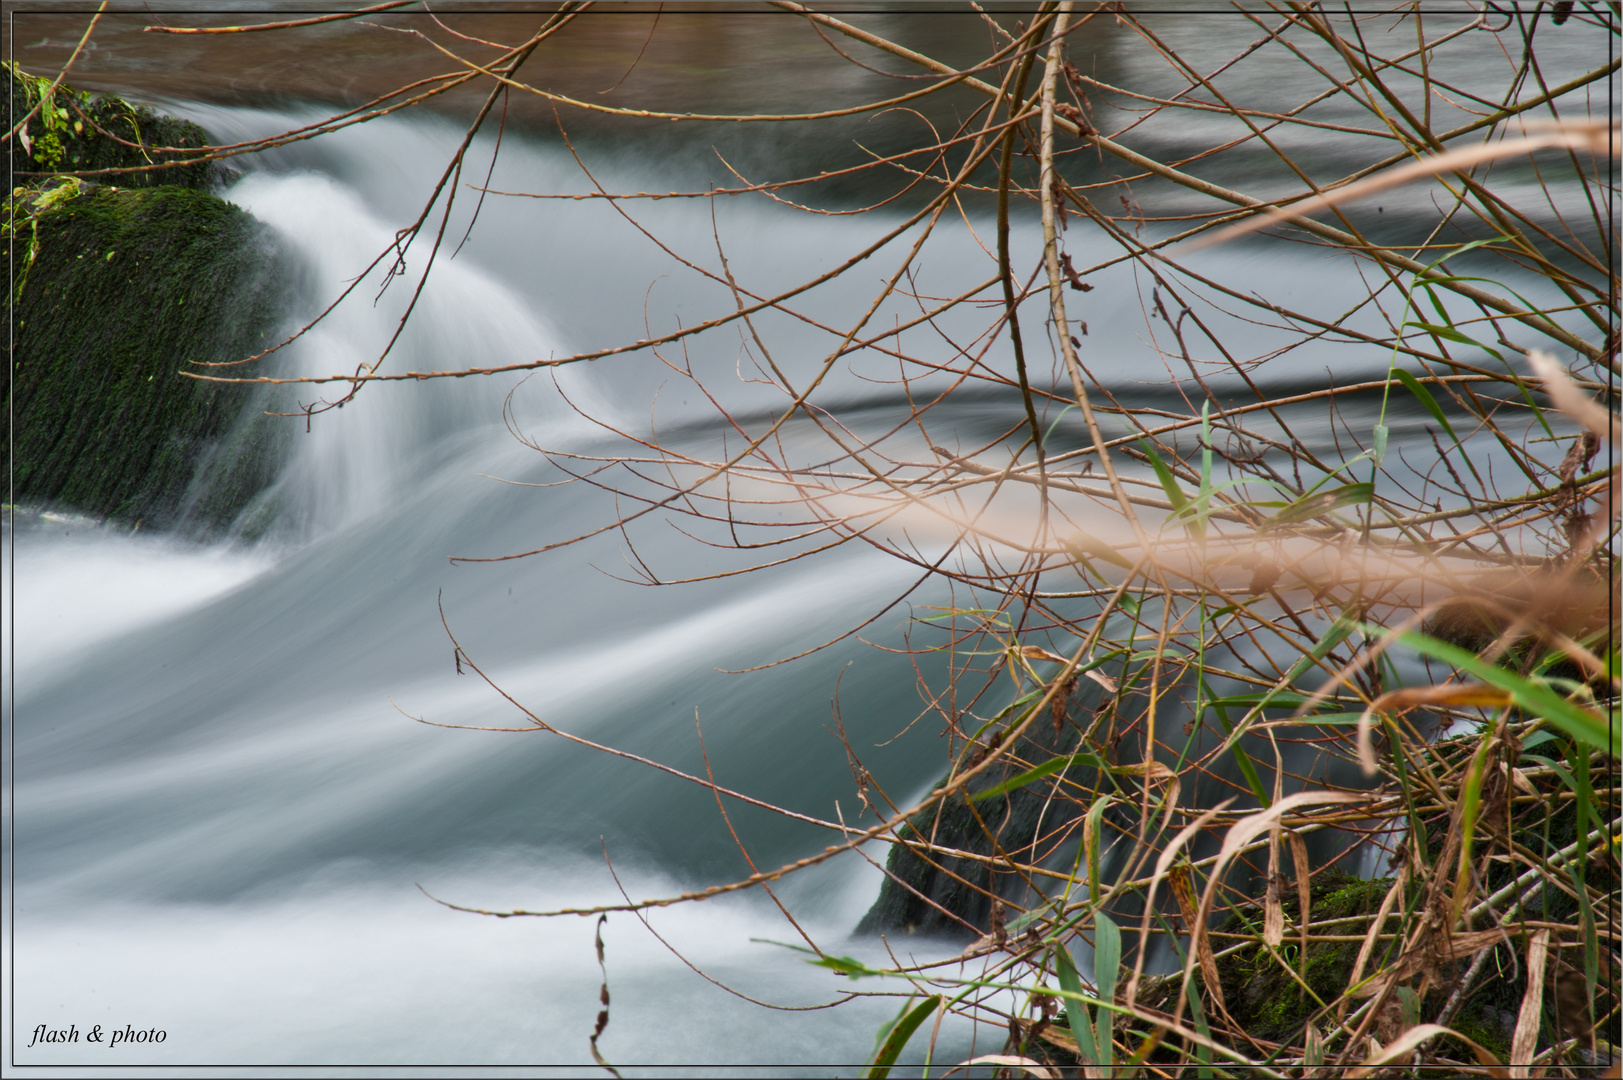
1047,768
1334,635
1336,719
1169,484
1276,699
1243,760
1076,1013
1470,801
1449,333
1197,1011
1587,727
1312,506
1409,1002
1106,964
1538,738
844,965
1578,784
1415,387
1081,545
901,1031
1034,917
1093,841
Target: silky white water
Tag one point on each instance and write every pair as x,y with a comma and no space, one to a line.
224,811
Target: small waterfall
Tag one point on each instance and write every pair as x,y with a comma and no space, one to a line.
350,465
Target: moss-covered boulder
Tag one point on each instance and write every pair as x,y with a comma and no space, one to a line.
122,284
121,291
72,132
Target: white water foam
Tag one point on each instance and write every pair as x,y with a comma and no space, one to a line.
80,584
352,463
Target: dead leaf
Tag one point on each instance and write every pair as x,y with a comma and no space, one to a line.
1273,908
1389,1021
1560,388
1013,1061
1375,929
1588,412
1572,1004
1264,576
1525,1040
1037,652
1459,695
1163,863
1598,137
1304,888
1184,893
1412,1038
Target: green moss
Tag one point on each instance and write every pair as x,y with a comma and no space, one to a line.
1493,1036
1264,998
73,132
129,288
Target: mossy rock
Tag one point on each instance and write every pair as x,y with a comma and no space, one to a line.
74,132
939,895
1261,996
128,289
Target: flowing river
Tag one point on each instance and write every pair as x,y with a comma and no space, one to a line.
228,823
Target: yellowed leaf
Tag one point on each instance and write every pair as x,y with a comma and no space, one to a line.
1460,695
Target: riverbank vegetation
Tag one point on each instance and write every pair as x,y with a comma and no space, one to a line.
1275,646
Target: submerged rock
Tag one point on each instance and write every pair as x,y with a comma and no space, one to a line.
117,292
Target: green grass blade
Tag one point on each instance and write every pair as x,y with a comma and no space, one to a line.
1241,758
1078,1014
844,965
1093,841
1106,963
1587,727
1047,768
1448,333
1312,506
900,1032
1169,484
1081,545
1425,398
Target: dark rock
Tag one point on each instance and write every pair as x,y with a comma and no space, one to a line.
952,896
119,291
